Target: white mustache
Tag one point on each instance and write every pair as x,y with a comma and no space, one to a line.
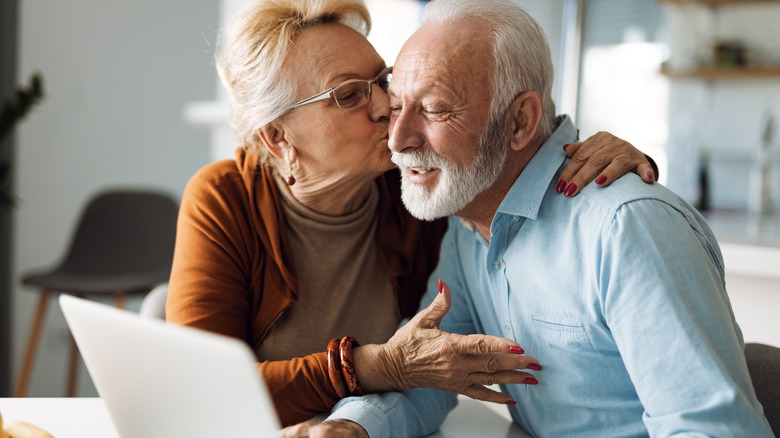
420,158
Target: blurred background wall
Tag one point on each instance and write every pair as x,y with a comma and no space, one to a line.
118,75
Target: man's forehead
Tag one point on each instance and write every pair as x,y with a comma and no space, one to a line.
419,74
419,61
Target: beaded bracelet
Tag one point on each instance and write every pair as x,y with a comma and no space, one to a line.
347,368
334,368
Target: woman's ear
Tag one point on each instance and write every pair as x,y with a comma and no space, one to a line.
525,113
274,139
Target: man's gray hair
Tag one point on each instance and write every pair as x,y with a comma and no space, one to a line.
520,49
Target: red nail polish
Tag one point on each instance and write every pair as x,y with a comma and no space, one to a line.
601,180
570,190
511,402
534,366
530,381
650,176
516,350
565,146
561,186
440,290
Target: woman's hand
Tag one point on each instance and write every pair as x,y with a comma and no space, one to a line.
605,158
421,355
328,429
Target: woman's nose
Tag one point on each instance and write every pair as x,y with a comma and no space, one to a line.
379,104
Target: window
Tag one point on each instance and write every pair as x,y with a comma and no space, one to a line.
621,89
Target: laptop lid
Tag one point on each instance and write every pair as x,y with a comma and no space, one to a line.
161,380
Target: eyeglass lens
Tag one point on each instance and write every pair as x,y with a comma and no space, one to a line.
358,93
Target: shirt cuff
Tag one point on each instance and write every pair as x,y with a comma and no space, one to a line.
368,415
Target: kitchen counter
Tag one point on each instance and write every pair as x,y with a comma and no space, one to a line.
731,226
751,252
750,243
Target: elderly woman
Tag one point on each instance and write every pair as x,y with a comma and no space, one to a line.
302,241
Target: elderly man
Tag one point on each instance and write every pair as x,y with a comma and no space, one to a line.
619,293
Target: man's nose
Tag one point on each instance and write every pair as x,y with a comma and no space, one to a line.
404,134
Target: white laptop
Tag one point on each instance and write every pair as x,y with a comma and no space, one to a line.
160,380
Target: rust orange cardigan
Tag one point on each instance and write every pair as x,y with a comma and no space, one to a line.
233,272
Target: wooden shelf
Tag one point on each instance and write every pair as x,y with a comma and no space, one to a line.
726,73
717,2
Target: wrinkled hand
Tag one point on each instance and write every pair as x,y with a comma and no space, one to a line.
328,429
604,156
421,355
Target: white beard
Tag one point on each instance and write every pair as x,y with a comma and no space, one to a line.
457,185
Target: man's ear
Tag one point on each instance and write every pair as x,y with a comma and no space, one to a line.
525,113
275,140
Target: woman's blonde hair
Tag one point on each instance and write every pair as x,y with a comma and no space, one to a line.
253,48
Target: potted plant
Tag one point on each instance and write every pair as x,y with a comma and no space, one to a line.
14,110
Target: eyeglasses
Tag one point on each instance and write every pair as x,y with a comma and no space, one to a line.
353,93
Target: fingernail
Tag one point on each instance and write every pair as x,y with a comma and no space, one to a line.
565,146
516,350
650,176
511,402
530,381
570,190
601,180
534,366
561,186
440,286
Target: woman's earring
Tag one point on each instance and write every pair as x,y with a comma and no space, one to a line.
290,180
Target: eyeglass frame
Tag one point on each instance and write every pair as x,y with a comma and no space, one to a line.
327,94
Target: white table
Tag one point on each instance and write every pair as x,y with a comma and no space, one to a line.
62,417
88,418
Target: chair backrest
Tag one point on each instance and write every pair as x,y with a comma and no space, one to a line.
124,231
153,304
763,362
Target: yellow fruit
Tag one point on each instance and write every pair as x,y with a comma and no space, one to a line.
20,429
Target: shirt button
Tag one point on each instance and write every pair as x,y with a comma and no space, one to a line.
498,265
515,218
507,328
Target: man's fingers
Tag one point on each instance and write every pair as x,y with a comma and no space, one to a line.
338,429
300,430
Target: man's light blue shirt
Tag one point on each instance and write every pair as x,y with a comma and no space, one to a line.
618,293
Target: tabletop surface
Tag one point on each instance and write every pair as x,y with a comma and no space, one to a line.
88,418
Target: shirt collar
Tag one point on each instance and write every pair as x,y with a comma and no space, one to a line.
526,195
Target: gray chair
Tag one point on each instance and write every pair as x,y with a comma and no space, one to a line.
123,245
763,362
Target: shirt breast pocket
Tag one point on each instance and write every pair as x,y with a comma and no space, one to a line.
558,332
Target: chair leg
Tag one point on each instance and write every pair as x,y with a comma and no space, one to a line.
119,300
32,345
